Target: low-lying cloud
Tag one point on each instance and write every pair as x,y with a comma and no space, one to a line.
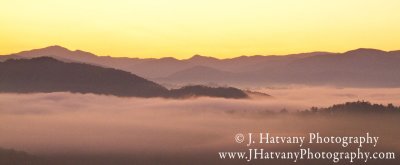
87,123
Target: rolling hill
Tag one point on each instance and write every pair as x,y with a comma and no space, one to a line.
46,74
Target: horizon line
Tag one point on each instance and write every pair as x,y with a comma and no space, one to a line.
197,54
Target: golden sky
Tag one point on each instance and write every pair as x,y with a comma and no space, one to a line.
182,28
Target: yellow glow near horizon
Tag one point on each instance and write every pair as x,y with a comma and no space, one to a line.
182,28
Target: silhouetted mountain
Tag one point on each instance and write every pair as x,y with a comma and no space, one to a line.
361,107
358,68
365,51
198,74
152,68
66,55
200,90
45,74
57,52
202,59
361,67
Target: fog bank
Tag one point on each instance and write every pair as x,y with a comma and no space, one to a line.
66,123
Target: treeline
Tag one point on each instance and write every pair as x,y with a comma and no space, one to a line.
354,107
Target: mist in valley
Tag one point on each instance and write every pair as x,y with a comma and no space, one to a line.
98,129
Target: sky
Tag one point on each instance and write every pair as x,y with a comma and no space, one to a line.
182,28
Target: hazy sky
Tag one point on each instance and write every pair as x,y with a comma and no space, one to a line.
182,28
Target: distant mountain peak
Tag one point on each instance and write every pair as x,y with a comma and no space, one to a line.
55,48
168,59
197,57
57,52
50,50
365,51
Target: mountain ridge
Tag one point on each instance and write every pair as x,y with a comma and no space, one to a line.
46,74
61,49
358,67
